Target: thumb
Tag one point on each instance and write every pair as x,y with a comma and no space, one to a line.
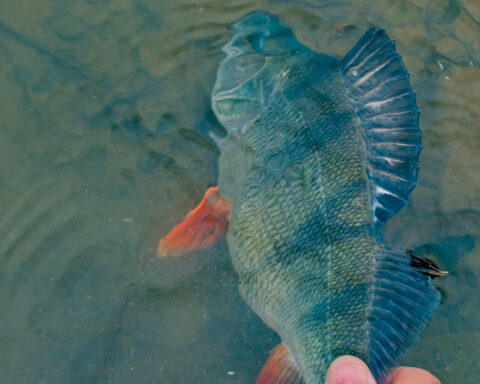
349,370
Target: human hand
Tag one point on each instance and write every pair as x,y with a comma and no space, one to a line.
352,370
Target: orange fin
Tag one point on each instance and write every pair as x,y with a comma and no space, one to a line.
200,228
280,368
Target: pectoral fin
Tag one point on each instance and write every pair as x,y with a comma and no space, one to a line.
200,228
280,368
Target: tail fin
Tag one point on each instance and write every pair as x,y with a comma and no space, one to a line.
403,300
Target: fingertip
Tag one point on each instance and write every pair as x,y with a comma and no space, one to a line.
349,370
408,375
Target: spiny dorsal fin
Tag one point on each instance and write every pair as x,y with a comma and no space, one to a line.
380,90
280,368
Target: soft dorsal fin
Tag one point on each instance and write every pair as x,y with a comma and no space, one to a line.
380,90
402,301
280,368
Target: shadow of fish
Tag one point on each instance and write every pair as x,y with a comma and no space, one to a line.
320,153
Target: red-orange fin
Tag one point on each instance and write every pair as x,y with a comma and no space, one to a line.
200,228
280,368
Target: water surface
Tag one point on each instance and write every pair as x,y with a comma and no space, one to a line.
104,146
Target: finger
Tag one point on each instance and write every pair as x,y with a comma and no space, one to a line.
349,370
409,375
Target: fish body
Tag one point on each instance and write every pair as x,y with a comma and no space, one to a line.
319,153
301,235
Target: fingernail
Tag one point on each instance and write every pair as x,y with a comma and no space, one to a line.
350,374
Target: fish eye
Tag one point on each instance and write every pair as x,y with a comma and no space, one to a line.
275,163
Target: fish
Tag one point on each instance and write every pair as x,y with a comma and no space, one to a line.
319,153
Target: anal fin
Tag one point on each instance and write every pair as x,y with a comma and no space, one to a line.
280,368
200,228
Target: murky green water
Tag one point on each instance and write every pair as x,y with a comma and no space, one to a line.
104,146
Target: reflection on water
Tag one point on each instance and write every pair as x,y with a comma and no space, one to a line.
104,145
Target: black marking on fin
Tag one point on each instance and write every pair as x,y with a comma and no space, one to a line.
402,301
380,90
426,266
